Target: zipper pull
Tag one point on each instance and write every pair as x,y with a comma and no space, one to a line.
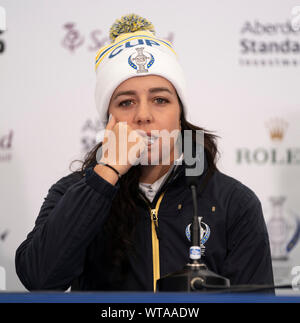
153,214
155,219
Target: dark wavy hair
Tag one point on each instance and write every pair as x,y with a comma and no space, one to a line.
121,223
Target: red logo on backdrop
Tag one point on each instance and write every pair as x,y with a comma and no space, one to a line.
74,39
6,146
95,40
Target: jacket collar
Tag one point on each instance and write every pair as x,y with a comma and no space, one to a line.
177,170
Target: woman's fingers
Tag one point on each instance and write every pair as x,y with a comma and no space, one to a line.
111,122
109,127
122,146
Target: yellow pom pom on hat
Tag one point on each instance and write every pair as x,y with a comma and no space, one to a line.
129,24
134,51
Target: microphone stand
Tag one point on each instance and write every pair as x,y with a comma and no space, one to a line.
195,275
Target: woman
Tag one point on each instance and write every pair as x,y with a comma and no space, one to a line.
120,224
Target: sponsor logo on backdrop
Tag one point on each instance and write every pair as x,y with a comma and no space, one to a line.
295,273
6,145
276,154
270,44
283,225
96,39
284,234
73,39
284,228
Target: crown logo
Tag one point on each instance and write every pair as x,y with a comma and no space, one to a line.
277,128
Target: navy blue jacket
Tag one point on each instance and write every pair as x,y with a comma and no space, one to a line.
67,246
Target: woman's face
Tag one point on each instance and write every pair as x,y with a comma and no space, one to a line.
148,103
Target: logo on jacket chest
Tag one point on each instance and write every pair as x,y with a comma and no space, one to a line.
204,234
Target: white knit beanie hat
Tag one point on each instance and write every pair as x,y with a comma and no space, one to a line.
134,51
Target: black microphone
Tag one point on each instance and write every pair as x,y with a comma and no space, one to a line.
195,250
195,276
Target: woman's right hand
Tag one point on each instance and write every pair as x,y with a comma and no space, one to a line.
117,153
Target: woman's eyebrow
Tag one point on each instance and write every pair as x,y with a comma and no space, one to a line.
124,93
160,89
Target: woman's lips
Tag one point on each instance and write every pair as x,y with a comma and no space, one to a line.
150,140
148,137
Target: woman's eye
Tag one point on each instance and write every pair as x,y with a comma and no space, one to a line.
125,103
161,100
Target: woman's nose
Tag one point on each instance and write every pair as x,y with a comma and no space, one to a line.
143,114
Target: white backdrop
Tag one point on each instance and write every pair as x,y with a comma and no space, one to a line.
242,62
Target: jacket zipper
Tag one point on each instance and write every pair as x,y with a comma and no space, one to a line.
155,238
155,241
155,231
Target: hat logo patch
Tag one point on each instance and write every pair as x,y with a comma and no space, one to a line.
141,62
